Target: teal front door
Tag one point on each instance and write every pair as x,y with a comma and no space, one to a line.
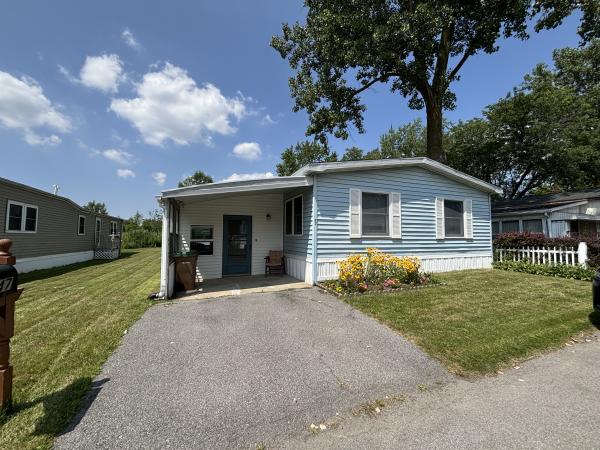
237,245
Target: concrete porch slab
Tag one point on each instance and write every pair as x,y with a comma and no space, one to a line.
250,284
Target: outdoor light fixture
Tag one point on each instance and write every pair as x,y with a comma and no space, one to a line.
268,217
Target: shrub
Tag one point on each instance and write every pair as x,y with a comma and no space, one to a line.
359,272
559,270
514,240
140,238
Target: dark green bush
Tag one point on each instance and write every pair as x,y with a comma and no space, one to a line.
560,270
141,238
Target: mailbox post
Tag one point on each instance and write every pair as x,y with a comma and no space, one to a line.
9,294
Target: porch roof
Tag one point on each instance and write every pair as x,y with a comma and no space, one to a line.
229,187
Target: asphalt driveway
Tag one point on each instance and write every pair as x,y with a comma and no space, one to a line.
245,371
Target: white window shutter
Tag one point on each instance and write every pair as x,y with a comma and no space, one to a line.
355,216
439,218
468,204
395,215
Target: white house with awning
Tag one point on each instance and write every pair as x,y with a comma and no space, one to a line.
326,211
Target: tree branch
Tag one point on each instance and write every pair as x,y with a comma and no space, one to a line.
464,58
383,77
442,58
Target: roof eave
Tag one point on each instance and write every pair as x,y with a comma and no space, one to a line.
405,162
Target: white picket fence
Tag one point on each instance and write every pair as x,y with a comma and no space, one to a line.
544,255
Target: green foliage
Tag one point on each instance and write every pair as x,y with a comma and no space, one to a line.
353,154
301,154
559,270
96,207
345,47
544,136
199,177
142,232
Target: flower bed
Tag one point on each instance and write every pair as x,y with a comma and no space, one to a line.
377,271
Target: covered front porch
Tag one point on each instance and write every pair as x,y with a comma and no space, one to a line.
224,231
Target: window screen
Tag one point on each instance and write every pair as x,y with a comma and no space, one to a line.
294,216
533,226
81,227
375,218
454,218
510,226
15,216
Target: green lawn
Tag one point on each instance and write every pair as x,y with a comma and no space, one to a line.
68,321
483,320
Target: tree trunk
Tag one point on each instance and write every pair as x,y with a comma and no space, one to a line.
435,133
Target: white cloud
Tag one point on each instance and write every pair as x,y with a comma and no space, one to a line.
118,156
170,106
159,178
130,39
24,107
247,150
248,176
125,173
103,72
267,120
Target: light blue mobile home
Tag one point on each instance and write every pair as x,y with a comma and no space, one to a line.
324,212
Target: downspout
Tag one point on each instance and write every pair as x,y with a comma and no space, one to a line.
548,228
315,211
164,250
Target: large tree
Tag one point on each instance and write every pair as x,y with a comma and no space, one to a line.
198,177
96,207
415,47
301,154
544,136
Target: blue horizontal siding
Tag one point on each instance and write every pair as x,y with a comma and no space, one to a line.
300,245
418,188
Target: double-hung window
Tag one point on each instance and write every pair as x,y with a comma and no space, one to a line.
202,239
454,218
113,228
21,218
375,214
294,216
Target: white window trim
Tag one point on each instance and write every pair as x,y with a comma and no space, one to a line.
464,235
204,240
389,214
116,233
84,224
293,217
23,217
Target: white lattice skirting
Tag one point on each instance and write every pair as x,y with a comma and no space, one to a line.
106,253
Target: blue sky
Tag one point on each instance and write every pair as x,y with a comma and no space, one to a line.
115,101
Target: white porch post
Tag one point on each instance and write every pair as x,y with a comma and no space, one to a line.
315,241
164,250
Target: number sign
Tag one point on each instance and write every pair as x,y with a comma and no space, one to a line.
6,284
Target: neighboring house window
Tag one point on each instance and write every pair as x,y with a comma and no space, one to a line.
533,226
21,218
510,226
495,228
113,228
201,239
294,216
375,214
454,221
81,225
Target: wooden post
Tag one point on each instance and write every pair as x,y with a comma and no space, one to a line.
7,328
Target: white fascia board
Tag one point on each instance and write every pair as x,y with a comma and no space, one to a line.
541,210
434,166
238,186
